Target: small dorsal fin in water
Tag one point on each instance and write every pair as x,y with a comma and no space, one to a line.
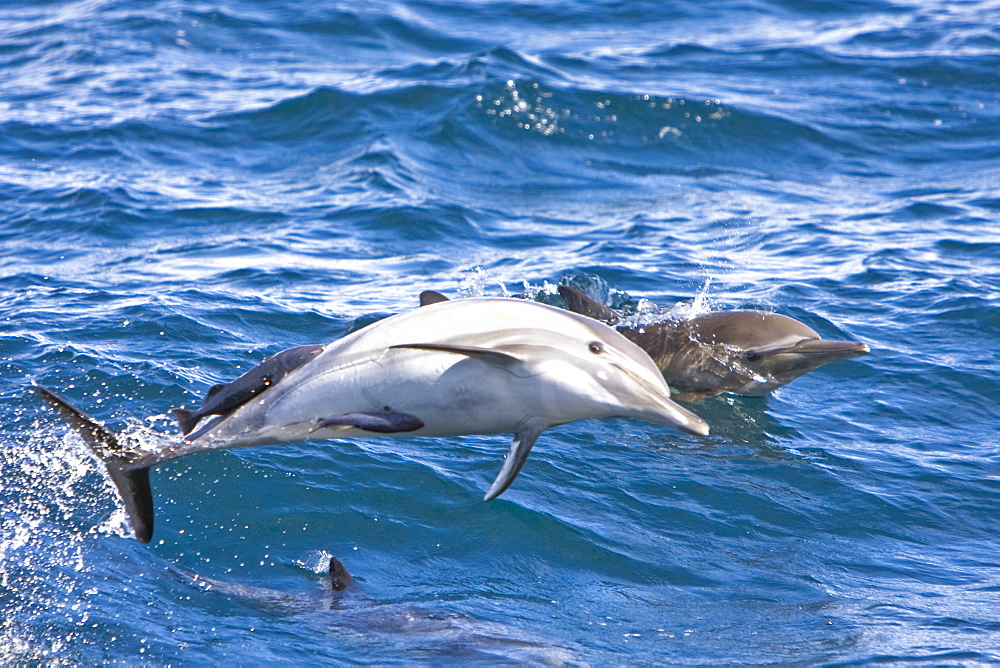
340,579
578,302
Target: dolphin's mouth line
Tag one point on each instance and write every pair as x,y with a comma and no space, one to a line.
642,382
848,347
678,416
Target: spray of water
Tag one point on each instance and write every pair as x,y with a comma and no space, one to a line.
53,493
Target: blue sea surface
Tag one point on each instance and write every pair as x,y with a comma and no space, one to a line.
188,187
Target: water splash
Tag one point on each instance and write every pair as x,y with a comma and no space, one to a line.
52,493
478,282
528,105
318,561
698,305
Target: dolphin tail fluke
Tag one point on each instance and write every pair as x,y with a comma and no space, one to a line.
132,485
187,420
516,456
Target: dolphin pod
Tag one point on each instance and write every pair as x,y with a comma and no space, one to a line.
744,352
451,368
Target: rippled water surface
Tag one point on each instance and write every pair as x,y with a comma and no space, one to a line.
186,188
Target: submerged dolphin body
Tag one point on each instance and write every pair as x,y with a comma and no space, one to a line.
473,366
745,352
427,633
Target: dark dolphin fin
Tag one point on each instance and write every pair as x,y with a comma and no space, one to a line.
215,389
516,457
187,419
488,355
340,579
387,421
133,486
225,398
428,297
578,302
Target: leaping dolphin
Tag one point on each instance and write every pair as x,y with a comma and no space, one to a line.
472,366
745,352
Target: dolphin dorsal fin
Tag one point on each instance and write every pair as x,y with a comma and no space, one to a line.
578,302
428,297
340,579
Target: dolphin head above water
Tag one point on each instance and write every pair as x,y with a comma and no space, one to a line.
589,369
761,351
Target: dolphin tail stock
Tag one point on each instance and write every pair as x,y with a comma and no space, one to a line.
132,485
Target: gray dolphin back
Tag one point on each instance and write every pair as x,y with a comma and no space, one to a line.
225,398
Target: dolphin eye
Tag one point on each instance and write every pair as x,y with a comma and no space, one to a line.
596,347
751,356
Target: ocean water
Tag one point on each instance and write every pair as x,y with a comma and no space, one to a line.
188,187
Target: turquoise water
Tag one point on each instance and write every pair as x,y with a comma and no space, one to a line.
186,188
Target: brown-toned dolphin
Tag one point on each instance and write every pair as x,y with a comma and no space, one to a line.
744,352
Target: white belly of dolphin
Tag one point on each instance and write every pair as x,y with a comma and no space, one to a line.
450,394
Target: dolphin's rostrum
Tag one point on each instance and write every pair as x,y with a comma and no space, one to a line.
452,368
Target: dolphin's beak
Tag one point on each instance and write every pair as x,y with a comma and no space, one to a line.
829,350
673,415
657,407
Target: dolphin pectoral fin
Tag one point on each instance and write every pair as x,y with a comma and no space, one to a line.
516,456
487,355
387,421
428,297
325,424
132,485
